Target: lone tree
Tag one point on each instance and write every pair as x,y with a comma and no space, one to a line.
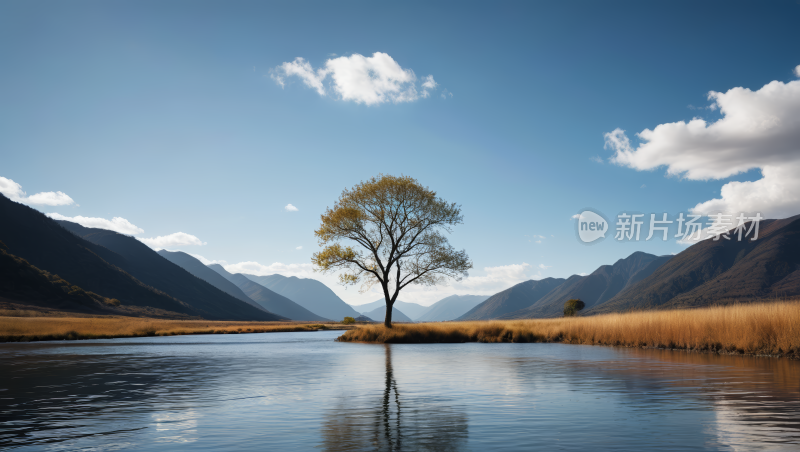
397,227
571,307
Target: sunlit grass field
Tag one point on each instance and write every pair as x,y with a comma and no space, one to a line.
37,328
757,329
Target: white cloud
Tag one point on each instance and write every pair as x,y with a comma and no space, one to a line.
758,129
364,80
116,224
544,267
775,195
172,240
596,159
538,241
204,260
290,208
583,274
299,247
301,68
429,83
496,279
14,192
797,71
254,268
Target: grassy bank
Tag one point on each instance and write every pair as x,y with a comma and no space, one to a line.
24,329
755,329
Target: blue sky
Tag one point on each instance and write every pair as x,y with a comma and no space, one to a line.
166,114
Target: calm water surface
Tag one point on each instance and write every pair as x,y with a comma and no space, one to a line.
303,391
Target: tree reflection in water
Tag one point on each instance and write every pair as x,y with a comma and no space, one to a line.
395,424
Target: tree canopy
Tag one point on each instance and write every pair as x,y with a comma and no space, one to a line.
571,307
390,231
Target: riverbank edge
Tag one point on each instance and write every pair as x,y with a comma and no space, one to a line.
795,356
77,329
758,329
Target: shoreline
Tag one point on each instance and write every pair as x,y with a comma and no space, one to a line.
759,329
41,329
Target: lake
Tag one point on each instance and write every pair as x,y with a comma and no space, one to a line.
304,391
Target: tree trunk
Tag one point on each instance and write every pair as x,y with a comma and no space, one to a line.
388,321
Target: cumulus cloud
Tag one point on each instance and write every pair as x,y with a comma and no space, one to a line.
757,130
364,80
497,278
255,268
299,247
14,192
116,224
544,267
172,240
797,71
290,208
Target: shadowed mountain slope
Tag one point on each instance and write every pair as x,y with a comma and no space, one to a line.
308,293
200,270
450,308
721,271
45,244
512,299
146,265
22,282
379,315
594,289
268,299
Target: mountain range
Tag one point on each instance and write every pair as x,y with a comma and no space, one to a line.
708,272
48,246
146,265
379,314
268,299
513,299
308,293
450,308
65,266
413,310
200,270
722,271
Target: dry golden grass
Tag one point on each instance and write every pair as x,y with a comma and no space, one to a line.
756,329
23,329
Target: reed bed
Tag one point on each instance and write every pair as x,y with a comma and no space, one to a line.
753,329
25,329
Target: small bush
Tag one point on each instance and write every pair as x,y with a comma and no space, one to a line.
571,307
348,320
